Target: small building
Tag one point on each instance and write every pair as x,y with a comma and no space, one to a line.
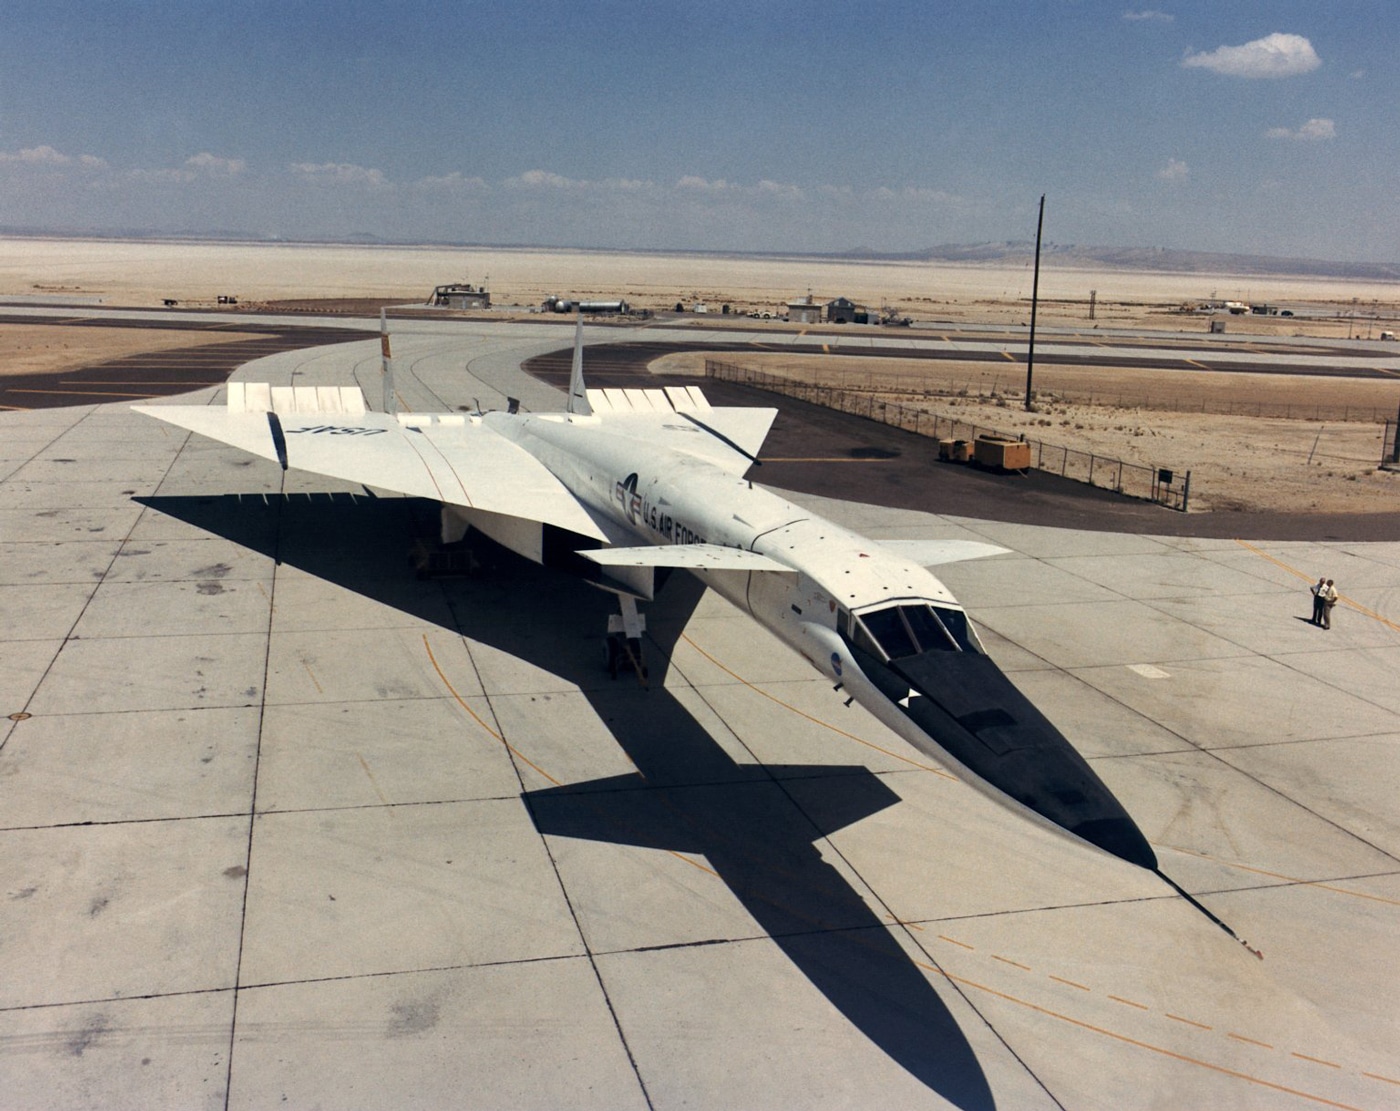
805,311
460,295
841,311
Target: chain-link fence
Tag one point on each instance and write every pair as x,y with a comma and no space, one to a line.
1135,480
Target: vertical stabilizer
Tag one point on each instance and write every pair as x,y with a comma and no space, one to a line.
391,404
578,395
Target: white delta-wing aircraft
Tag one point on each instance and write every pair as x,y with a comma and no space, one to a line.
624,482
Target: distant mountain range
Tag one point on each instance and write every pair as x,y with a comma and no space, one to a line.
1138,258
1011,252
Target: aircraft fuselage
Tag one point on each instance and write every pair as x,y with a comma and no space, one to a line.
881,627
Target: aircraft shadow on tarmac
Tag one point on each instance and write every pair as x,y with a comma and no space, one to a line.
755,825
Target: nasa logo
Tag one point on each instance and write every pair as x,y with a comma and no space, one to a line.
337,430
836,663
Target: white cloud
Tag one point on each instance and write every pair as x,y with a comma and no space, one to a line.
1314,131
700,184
206,163
779,189
1276,55
537,179
339,173
454,182
1148,15
1174,170
202,165
920,195
46,155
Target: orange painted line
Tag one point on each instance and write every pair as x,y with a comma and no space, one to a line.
1316,1060
1014,964
1289,879
955,941
1251,1041
815,721
1130,1003
1223,1070
1070,983
1378,1076
520,755
477,717
372,782
1187,1021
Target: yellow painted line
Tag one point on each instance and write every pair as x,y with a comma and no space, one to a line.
1250,1041
1069,983
16,408
1014,964
826,349
815,721
1378,1076
1193,362
1187,1021
1162,1050
312,674
955,941
1010,358
1130,1003
1357,606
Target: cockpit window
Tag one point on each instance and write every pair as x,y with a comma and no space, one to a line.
908,630
890,633
955,621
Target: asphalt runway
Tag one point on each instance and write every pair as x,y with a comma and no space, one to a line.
157,373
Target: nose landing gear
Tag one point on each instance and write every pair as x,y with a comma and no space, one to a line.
625,631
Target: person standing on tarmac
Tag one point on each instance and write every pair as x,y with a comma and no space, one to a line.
1329,597
1319,603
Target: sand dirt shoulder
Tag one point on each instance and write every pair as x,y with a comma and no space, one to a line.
1237,460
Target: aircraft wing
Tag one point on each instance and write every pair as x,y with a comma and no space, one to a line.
445,457
680,418
704,557
932,553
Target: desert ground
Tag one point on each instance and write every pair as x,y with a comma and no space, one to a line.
1284,441
147,272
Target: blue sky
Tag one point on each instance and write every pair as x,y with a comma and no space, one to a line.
1266,128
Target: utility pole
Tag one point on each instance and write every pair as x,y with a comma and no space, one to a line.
1035,298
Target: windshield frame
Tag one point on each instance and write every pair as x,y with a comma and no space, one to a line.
936,626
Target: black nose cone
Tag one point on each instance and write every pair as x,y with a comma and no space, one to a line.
1120,837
